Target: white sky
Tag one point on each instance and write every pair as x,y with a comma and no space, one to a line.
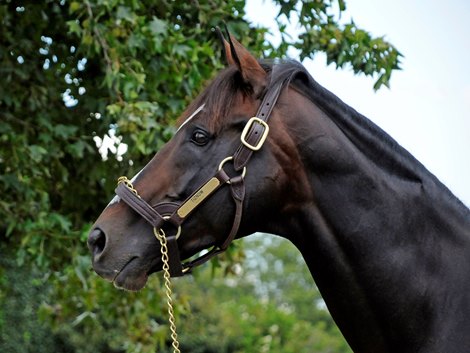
427,109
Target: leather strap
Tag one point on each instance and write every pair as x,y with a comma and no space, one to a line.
174,260
237,188
139,205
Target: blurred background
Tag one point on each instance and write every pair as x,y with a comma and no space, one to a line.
90,90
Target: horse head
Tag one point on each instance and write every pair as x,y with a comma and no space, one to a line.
201,188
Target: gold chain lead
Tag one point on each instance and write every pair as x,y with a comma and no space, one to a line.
160,234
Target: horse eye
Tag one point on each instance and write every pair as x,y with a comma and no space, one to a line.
200,137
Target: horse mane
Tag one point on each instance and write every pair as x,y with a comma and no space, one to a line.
354,125
369,138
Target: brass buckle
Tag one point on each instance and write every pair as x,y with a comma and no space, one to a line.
262,138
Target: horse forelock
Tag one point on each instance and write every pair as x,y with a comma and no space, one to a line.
217,98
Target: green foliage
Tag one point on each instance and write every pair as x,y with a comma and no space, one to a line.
94,316
288,316
346,45
74,73
20,329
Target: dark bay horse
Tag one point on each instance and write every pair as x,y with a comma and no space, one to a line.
387,244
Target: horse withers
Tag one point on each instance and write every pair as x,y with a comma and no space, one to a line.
264,148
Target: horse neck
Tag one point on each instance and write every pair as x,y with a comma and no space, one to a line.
362,232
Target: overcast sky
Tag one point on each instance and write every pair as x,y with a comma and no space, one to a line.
427,109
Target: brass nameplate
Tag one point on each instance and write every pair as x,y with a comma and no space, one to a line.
198,197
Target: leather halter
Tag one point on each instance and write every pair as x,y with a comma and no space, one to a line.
252,139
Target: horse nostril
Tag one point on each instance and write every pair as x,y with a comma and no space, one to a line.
96,241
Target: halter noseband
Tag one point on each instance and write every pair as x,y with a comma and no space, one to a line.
252,138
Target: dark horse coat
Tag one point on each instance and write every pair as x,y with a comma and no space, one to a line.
387,244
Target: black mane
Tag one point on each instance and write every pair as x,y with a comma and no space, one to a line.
372,141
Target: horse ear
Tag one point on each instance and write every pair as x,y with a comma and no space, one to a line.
251,71
226,48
